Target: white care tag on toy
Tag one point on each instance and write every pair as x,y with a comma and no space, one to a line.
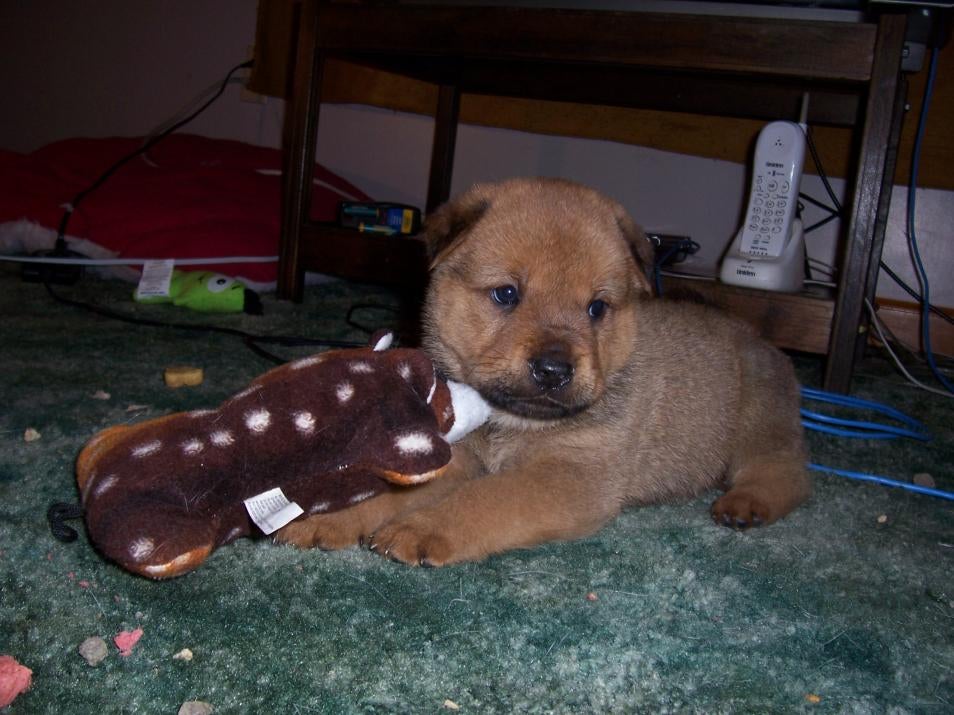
271,510
156,276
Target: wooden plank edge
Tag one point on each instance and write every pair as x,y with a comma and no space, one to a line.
904,320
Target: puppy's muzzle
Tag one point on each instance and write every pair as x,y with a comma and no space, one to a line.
551,371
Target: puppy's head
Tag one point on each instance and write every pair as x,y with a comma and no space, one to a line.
533,294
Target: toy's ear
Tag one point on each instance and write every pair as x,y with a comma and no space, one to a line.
381,340
447,226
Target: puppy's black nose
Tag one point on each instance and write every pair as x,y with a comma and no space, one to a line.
550,373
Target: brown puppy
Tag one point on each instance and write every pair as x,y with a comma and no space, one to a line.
603,396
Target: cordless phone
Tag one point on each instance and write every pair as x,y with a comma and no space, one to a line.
776,175
768,251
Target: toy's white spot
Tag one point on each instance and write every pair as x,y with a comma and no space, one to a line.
360,497
222,438
319,507
404,370
344,392
360,367
258,420
305,422
430,395
141,548
200,413
105,484
384,342
414,443
144,450
305,362
193,446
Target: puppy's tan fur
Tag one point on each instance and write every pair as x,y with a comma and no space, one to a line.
644,401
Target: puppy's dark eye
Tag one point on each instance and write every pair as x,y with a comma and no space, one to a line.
505,295
596,309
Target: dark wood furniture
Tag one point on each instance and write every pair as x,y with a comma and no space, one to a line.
733,66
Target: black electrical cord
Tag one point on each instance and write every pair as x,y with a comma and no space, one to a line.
250,340
821,174
77,200
833,213
817,203
822,222
913,293
836,213
349,317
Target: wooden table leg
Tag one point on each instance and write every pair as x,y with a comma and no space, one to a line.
869,197
442,149
300,135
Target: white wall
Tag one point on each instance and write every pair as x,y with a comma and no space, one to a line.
120,68
387,154
667,192
115,67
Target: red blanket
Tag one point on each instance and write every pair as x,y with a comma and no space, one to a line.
189,197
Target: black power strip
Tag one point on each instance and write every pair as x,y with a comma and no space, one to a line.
55,273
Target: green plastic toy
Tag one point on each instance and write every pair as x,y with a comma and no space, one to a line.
208,293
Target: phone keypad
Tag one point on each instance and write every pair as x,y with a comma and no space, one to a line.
767,210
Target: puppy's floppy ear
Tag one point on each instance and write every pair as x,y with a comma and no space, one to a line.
640,246
445,227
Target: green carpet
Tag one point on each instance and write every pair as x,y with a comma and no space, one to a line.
845,606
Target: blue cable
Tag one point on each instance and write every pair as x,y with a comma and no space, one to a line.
912,237
883,480
857,428
847,401
866,430
870,430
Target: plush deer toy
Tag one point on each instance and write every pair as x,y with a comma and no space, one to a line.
312,436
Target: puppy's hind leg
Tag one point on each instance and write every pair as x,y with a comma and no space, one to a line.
761,491
767,475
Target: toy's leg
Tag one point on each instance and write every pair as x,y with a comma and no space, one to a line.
348,527
151,537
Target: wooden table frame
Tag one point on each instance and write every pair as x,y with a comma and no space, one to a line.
734,66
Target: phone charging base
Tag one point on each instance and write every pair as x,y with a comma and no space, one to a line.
783,273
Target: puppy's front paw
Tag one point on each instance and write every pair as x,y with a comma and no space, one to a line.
417,541
740,510
324,531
